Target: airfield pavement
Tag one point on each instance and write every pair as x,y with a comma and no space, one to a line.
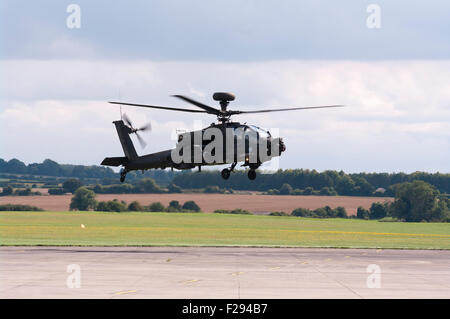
227,272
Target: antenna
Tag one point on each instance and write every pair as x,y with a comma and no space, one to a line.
120,99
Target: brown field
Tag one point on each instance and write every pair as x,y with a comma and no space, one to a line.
44,191
210,202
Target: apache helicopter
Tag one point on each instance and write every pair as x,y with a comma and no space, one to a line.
255,141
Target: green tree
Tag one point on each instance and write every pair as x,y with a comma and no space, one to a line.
345,185
325,191
135,207
23,192
71,185
15,166
49,167
148,185
191,205
378,210
440,212
279,214
330,212
362,213
362,187
56,191
111,206
156,207
308,191
415,201
286,189
8,190
83,199
174,206
321,212
301,212
172,188
340,212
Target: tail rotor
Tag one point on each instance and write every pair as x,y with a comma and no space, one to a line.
144,128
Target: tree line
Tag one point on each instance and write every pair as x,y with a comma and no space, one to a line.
417,201
293,181
85,199
52,168
312,182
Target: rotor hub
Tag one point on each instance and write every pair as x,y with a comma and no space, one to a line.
223,96
224,99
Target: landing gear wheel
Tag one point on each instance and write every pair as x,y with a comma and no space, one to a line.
225,173
251,174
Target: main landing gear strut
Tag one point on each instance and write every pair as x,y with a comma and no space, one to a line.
227,171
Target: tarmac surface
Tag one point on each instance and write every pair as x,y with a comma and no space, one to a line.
227,272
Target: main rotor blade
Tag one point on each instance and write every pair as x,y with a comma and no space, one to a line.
207,108
286,109
160,107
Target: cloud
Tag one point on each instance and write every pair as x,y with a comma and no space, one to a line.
240,31
396,117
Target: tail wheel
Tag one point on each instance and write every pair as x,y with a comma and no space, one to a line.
123,174
225,173
251,174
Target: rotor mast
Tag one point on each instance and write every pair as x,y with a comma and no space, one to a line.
224,99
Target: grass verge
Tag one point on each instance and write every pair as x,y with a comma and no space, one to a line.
199,229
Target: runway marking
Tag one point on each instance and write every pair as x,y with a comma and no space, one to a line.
303,231
274,268
366,233
125,292
190,281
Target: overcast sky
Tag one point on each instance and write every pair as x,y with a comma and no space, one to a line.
394,80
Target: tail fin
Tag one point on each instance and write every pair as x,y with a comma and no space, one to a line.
124,136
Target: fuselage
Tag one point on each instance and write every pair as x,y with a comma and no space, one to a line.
217,144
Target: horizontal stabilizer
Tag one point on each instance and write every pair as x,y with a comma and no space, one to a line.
114,161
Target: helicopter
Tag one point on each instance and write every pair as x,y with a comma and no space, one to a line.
221,143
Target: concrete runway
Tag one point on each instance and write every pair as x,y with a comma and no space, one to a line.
206,272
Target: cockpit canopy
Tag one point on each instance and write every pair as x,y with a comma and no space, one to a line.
249,129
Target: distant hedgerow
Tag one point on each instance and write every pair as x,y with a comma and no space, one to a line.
234,211
19,207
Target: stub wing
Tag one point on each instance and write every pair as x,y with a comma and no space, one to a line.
114,161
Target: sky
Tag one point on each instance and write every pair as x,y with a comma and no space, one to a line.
394,79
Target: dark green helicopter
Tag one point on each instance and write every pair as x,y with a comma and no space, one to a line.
225,142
